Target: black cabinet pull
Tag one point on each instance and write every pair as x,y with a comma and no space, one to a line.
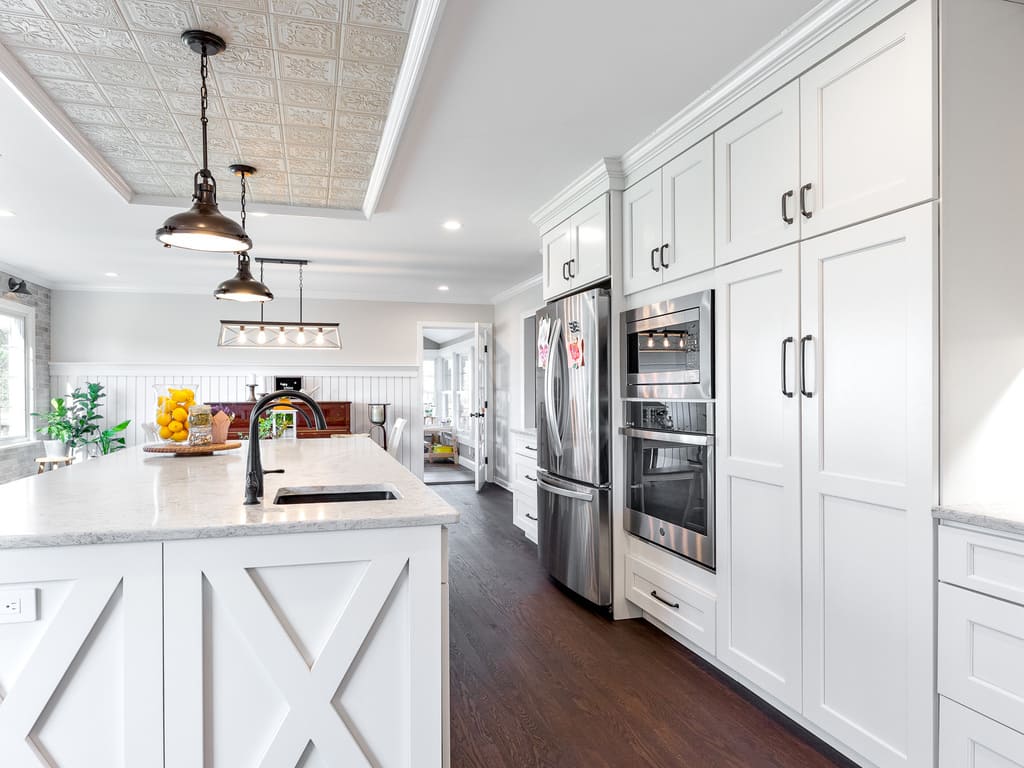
531,479
785,206
803,366
571,262
530,447
661,255
653,266
660,599
565,270
803,201
785,341
531,517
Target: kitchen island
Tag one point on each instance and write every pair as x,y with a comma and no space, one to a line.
149,618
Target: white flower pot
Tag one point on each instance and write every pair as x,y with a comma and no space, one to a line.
55,449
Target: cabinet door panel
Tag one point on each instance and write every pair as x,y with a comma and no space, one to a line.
868,304
759,624
688,218
970,740
867,124
641,234
589,235
556,251
757,160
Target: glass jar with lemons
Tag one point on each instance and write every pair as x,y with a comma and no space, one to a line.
173,402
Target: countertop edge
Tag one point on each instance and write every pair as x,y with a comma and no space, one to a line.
981,517
88,538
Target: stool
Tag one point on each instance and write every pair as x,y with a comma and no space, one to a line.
52,462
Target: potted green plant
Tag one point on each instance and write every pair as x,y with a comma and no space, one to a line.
57,427
86,435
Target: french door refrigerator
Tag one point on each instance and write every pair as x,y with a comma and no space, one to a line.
574,536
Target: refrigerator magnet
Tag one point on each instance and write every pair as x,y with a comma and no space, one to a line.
574,344
543,342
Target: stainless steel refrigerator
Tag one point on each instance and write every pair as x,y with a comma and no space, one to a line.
574,443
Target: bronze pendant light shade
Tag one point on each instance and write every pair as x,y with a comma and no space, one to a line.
204,227
243,286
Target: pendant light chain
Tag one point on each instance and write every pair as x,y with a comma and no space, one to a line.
204,100
261,303
243,199
300,294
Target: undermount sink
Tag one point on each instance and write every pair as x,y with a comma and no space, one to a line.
331,494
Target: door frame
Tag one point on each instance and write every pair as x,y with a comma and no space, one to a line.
417,427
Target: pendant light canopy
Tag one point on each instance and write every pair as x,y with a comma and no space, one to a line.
291,334
243,286
203,227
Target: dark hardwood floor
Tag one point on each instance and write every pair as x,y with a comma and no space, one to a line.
541,680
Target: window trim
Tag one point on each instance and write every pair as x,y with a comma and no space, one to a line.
28,315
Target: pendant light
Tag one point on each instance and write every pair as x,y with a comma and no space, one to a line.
243,286
203,227
300,334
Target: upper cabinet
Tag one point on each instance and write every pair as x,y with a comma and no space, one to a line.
757,172
867,125
668,221
576,252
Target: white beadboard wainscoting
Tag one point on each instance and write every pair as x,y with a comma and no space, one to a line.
131,394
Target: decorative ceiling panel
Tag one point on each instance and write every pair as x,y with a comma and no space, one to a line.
302,92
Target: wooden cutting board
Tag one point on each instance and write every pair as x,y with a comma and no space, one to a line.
179,449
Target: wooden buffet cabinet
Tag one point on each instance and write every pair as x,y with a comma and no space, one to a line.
337,412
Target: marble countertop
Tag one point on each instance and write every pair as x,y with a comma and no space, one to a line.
137,496
1008,518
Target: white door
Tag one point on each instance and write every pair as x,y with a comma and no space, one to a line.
868,314
556,253
688,211
758,475
757,178
641,235
481,399
589,237
867,124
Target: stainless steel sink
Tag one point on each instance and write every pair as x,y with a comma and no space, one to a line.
332,494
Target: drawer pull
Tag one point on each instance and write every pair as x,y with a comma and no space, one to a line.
531,517
660,599
530,447
531,479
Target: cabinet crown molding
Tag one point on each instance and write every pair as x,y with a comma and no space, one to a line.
604,176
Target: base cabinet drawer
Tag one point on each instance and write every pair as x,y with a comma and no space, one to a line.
970,740
524,514
981,654
525,445
983,562
684,608
524,474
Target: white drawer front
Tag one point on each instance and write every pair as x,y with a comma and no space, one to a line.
969,740
683,607
524,474
524,514
981,654
983,562
524,444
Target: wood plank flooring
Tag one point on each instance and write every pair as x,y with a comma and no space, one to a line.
540,680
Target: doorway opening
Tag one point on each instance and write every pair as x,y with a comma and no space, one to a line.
455,375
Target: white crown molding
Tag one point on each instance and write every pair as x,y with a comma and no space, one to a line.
383,370
516,289
426,19
271,208
605,175
39,100
24,274
797,40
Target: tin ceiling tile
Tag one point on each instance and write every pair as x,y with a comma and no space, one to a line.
255,111
169,155
297,134
165,49
325,10
84,113
237,26
31,32
102,13
128,97
302,36
393,14
244,131
307,94
147,118
30,7
73,91
115,72
159,16
102,41
241,86
373,45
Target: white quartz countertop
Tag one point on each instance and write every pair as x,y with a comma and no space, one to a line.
137,496
1008,518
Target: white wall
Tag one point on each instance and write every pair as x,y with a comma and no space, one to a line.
982,327
508,370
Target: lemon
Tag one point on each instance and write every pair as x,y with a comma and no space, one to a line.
180,414
165,433
179,436
163,419
175,427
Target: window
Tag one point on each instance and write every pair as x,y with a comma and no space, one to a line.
16,328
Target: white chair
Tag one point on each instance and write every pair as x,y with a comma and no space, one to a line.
395,436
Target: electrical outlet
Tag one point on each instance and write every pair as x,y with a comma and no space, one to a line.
17,605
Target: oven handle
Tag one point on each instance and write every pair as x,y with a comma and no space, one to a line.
549,389
669,437
577,495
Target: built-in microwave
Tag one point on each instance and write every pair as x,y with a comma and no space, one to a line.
668,349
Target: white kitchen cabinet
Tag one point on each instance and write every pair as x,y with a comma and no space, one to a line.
867,125
683,607
970,740
523,482
758,473
577,252
757,178
668,221
868,314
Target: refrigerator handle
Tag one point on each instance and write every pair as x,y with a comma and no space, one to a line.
549,389
577,495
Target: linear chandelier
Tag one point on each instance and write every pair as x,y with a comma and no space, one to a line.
275,334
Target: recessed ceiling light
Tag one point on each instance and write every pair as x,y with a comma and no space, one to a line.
452,225
110,274
5,212
442,287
